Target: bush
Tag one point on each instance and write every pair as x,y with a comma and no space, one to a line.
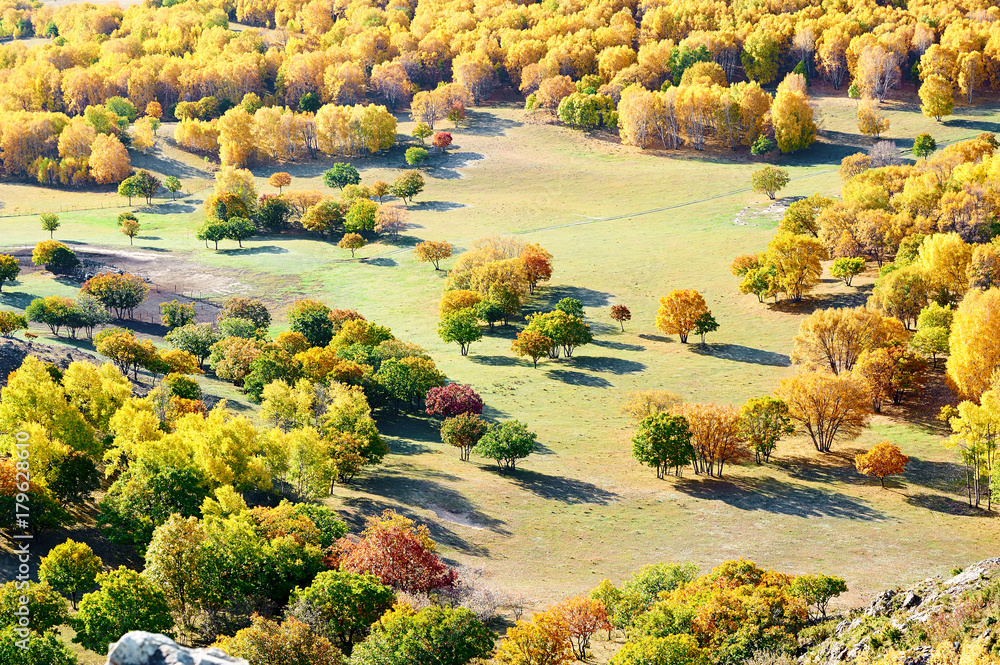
416,156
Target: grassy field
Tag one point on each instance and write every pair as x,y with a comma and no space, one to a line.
624,226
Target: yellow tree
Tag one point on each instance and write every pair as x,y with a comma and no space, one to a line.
835,338
679,311
236,137
870,118
975,354
109,162
936,99
433,251
827,407
944,259
970,73
717,434
792,117
796,261
884,459
543,641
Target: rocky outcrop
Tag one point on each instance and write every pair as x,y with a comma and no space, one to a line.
141,648
901,611
14,351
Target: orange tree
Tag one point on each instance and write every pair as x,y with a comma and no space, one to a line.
679,312
884,459
828,407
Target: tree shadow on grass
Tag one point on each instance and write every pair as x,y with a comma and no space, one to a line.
546,299
940,476
437,206
259,249
559,488
618,346
945,504
578,378
494,361
484,123
767,494
979,125
656,338
857,297
18,299
742,354
607,364
380,261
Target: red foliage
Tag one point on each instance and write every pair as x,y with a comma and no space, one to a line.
452,400
397,556
442,140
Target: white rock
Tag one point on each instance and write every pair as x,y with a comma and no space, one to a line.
142,648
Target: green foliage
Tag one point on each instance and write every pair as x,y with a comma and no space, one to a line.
309,103
172,184
178,385
818,590
506,443
854,92
760,56
764,421
762,145
45,649
769,180
175,314
341,175
50,222
463,431
342,606
212,230
416,156
47,607
571,306
361,216
462,327
846,268
195,338
667,650
422,131
273,212
705,324
143,498
126,601
435,635
564,330
312,320
663,441
122,108
923,145
237,327
587,111
71,568
239,229
682,57
407,185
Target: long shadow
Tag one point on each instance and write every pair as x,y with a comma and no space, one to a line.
147,248
18,299
656,338
941,476
258,249
484,123
774,496
858,297
560,488
171,208
380,261
618,346
494,361
833,467
445,167
980,125
945,504
437,206
606,364
578,378
547,298
742,354
157,162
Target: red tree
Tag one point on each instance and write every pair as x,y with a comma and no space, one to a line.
399,555
442,140
453,399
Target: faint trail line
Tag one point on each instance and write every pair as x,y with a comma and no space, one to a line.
597,220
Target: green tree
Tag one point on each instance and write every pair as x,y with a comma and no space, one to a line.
71,568
173,185
239,229
212,230
818,590
341,175
175,314
663,441
531,343
571,306
47,607
923,145
764,421
506,443
705,324
44,649
463,431
846,268
309,103
312,319
407,185
361,216
422,131
50,222
174,562
9,269
342,606
126,601
462,327
667,650
122,108
195,338
760,56
435,635
128,188
769,180
416,156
